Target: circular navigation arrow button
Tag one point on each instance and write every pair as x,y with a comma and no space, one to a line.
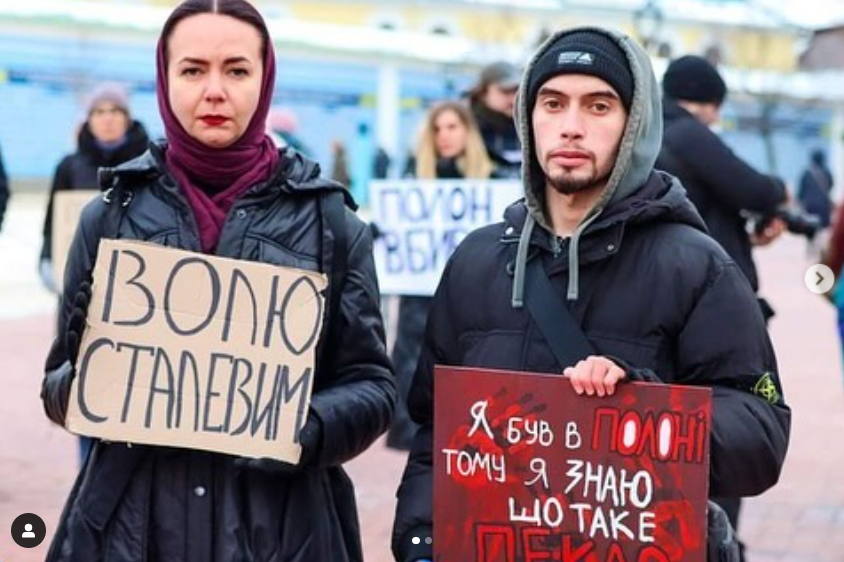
819,279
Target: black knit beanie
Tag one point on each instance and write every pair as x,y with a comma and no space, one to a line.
693,78
584,52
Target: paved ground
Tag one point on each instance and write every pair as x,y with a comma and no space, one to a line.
801,520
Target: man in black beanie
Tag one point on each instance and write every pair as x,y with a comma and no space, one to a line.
491,101
609,256
721,185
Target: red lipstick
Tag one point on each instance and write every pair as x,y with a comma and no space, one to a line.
213,120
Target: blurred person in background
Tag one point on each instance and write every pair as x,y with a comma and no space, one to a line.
340,163
282,125
220,186
449,147
833,254
724,188
108,137
492,100
721,185
814,193
833,258
4,191
381,164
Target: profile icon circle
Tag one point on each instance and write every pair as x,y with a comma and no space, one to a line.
28,530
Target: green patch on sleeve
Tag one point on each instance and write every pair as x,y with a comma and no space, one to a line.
766,389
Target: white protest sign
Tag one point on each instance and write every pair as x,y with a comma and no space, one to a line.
196,351
423,221
67,208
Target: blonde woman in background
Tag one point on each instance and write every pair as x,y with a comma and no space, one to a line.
449,147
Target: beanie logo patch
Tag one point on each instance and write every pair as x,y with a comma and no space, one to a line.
576,57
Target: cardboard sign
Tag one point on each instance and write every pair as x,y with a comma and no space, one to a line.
422,222
196,351
67,208
527,470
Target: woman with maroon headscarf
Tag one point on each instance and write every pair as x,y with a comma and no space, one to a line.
219,186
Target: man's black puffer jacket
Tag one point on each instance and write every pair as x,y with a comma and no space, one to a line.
657,293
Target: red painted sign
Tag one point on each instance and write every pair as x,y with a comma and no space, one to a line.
525,470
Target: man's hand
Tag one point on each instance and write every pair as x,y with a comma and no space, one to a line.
595,375
773,231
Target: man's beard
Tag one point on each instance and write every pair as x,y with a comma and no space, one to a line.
569,185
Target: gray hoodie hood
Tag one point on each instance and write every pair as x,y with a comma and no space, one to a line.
638,150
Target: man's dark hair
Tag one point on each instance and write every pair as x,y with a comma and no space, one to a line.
238,9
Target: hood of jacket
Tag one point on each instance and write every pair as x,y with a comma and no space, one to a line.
662,198
637,153
640,142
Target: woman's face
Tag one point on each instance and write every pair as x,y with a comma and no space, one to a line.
214,70
107,122
450,134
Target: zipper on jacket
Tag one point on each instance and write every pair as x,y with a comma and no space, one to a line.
557,244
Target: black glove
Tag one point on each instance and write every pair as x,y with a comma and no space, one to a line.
310,437
722,545
76,322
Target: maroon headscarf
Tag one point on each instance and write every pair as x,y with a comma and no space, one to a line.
213,178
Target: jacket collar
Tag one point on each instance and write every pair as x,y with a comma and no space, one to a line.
596,244
295,174
661,199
